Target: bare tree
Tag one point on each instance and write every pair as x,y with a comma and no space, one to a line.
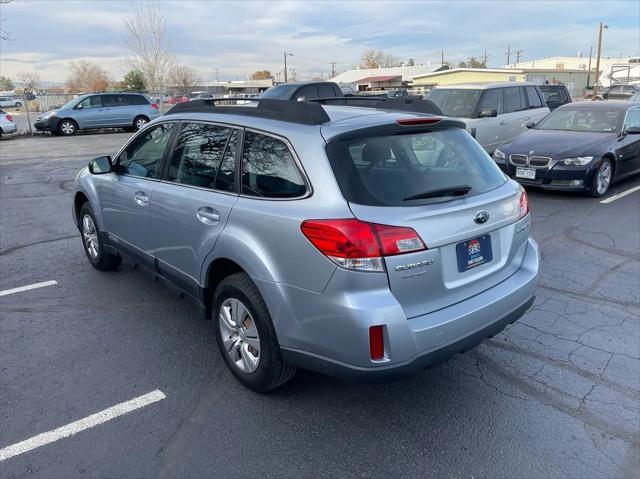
5,34
85,76
184,78
149,45
377,59
28,81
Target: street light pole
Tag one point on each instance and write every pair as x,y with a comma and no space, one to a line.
595,82
285,64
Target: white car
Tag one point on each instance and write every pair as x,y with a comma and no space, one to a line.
6,124
493,112
8,101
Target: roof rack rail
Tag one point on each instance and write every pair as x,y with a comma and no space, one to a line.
412,105
301,112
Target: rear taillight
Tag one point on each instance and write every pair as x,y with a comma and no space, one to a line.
154,106
376,342
9,117
419,121
524,204
360,246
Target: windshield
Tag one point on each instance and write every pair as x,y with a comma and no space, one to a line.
279,92
460,102
594,120
390,170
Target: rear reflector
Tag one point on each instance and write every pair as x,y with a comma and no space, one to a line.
358,245
154,106
524,204
9,117
376,342
419,121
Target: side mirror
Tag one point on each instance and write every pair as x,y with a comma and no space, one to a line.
633,130
530,124
488,114
78,107
100,165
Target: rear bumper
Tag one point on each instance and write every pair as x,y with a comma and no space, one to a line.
337,343
9,127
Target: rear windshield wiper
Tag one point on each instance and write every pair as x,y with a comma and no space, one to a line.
459,190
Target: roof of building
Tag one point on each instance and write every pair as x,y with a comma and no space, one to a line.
569,63
407,72
379,78
477,70
484,85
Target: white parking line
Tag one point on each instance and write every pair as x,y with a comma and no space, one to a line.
27,288
620,195
78,426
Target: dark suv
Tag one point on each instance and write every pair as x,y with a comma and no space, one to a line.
555,95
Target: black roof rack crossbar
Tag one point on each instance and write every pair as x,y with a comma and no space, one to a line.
412,105
301,112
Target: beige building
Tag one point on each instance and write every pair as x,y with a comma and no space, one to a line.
566,63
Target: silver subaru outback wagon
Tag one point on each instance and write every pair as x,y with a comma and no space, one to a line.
359,242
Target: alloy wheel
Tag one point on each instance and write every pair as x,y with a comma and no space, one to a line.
140,122
67,128
239,335
604,178
90,236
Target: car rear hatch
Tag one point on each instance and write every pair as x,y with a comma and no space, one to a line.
473,222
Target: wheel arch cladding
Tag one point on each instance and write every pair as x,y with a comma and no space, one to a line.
216,271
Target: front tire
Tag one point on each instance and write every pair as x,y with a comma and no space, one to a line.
18,104
93,247
602,179
67,127
246,337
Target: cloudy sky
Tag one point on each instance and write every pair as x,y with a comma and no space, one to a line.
237,38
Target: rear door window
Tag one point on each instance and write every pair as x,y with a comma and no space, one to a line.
325,91
492,100
115,100
309,92
388,170
137,100
268,168
199,154
513,99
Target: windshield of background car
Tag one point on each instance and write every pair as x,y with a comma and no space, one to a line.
594,120
460,102
280,92
384,170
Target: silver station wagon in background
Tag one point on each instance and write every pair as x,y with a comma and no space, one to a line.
493,112
357,242
100,110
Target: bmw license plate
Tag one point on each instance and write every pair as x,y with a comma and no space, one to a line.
474,252
528,173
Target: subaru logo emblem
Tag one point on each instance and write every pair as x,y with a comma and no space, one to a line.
481,217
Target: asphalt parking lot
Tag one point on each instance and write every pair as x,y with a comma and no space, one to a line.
555,395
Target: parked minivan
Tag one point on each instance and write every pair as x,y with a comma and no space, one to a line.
493,112
100,110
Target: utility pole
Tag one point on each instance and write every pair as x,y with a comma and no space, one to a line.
508,54
518,52
595,82
589,67
293,73
485,58
333,69
217,79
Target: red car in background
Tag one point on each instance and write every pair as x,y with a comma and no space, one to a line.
173,100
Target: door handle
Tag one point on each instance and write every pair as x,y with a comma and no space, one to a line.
208,215
141,198
503,122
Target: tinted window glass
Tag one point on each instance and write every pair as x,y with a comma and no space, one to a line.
282,92
308,92
137,100
91,102
268,168
115,100
455,102
633,118
143,156
492,100
532,96
198,154
513,100
383,171
596,120
325,91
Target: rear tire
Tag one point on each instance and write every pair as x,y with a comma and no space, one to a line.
93,247
18,104
139,122
264,370
67,127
